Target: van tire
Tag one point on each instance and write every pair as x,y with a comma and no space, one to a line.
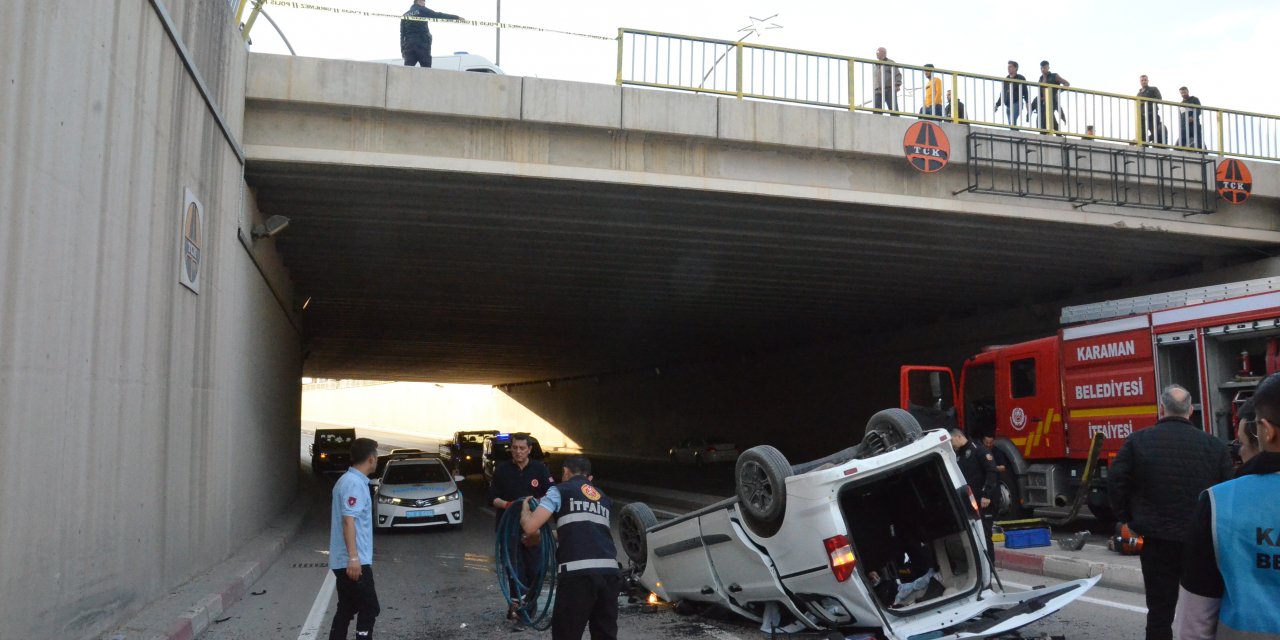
760,478
896,426
633,524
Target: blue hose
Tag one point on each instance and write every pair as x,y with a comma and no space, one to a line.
535,609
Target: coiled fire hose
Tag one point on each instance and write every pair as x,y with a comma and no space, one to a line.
533,606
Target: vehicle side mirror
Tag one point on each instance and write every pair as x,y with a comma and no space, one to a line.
459,478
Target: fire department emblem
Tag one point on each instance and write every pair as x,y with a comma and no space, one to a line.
534,483
590,492
351,501
1018,418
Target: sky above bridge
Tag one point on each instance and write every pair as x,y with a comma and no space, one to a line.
1218,50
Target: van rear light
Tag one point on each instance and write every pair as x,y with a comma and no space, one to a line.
840,553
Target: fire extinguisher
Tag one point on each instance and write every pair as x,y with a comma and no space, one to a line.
1125,542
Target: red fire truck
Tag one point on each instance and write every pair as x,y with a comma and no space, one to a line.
1102,374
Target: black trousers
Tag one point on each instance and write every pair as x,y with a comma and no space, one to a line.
355,599
886,100
586,600
1161,570
417,51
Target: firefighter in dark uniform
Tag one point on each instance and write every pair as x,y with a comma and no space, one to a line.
979,469
587,590
513,480
1231,564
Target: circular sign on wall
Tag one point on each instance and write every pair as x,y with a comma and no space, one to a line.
191,242
1234,181
926,147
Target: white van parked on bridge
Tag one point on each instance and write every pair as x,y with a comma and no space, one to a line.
459,61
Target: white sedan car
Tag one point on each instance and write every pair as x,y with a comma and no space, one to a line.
417,492
883,537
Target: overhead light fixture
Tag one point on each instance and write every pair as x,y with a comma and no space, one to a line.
272,226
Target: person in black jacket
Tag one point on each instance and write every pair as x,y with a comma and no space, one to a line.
979,469
1154,483
415,37
1231,569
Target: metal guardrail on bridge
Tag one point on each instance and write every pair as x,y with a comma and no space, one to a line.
726,67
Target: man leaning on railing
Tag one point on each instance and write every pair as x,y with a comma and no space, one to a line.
932,93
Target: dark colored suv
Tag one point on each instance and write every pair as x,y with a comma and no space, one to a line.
465,450
331,451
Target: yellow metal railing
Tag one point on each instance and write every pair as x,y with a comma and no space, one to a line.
729,68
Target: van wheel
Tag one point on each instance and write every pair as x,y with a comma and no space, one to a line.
895,426
633,525
760,477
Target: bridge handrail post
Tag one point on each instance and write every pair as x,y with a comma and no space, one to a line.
955,97
1139,136
852,102
738,46
621,49
1222,148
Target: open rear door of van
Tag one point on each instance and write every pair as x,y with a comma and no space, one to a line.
994,614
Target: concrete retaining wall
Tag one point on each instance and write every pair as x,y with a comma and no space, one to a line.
147,431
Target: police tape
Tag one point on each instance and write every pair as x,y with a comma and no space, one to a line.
289,4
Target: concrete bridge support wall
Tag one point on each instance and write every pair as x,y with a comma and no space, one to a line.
146,430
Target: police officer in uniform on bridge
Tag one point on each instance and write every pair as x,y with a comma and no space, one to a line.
1231,566
587,590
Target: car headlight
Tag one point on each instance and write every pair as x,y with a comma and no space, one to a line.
450,496
388,500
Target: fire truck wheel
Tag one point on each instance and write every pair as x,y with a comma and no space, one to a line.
896,426
633,526
760,476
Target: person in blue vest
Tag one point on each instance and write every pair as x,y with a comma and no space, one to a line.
587,590
1231,570
351,544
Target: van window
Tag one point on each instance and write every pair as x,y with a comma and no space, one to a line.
1022,378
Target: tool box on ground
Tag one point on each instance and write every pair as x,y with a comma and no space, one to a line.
1024,534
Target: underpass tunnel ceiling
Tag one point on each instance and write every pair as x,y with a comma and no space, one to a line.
452,277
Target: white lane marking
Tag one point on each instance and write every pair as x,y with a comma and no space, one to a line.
717,633
1106,603
311,628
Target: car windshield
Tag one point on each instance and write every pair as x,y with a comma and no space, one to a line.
338,438
416,473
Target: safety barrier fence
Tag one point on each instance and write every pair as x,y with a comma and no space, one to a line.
752,71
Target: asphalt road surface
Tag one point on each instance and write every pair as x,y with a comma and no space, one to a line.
441,584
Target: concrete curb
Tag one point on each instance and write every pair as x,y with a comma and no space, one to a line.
1114,576
266,547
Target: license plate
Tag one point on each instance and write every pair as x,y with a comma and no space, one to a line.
422,513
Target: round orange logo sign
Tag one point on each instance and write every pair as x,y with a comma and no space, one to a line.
926,147
590,492
1234,181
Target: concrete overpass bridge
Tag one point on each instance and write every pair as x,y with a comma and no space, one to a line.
495,229
628,264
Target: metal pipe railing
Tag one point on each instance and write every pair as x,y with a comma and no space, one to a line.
762,72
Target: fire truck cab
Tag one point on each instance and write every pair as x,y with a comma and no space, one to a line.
1046,399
